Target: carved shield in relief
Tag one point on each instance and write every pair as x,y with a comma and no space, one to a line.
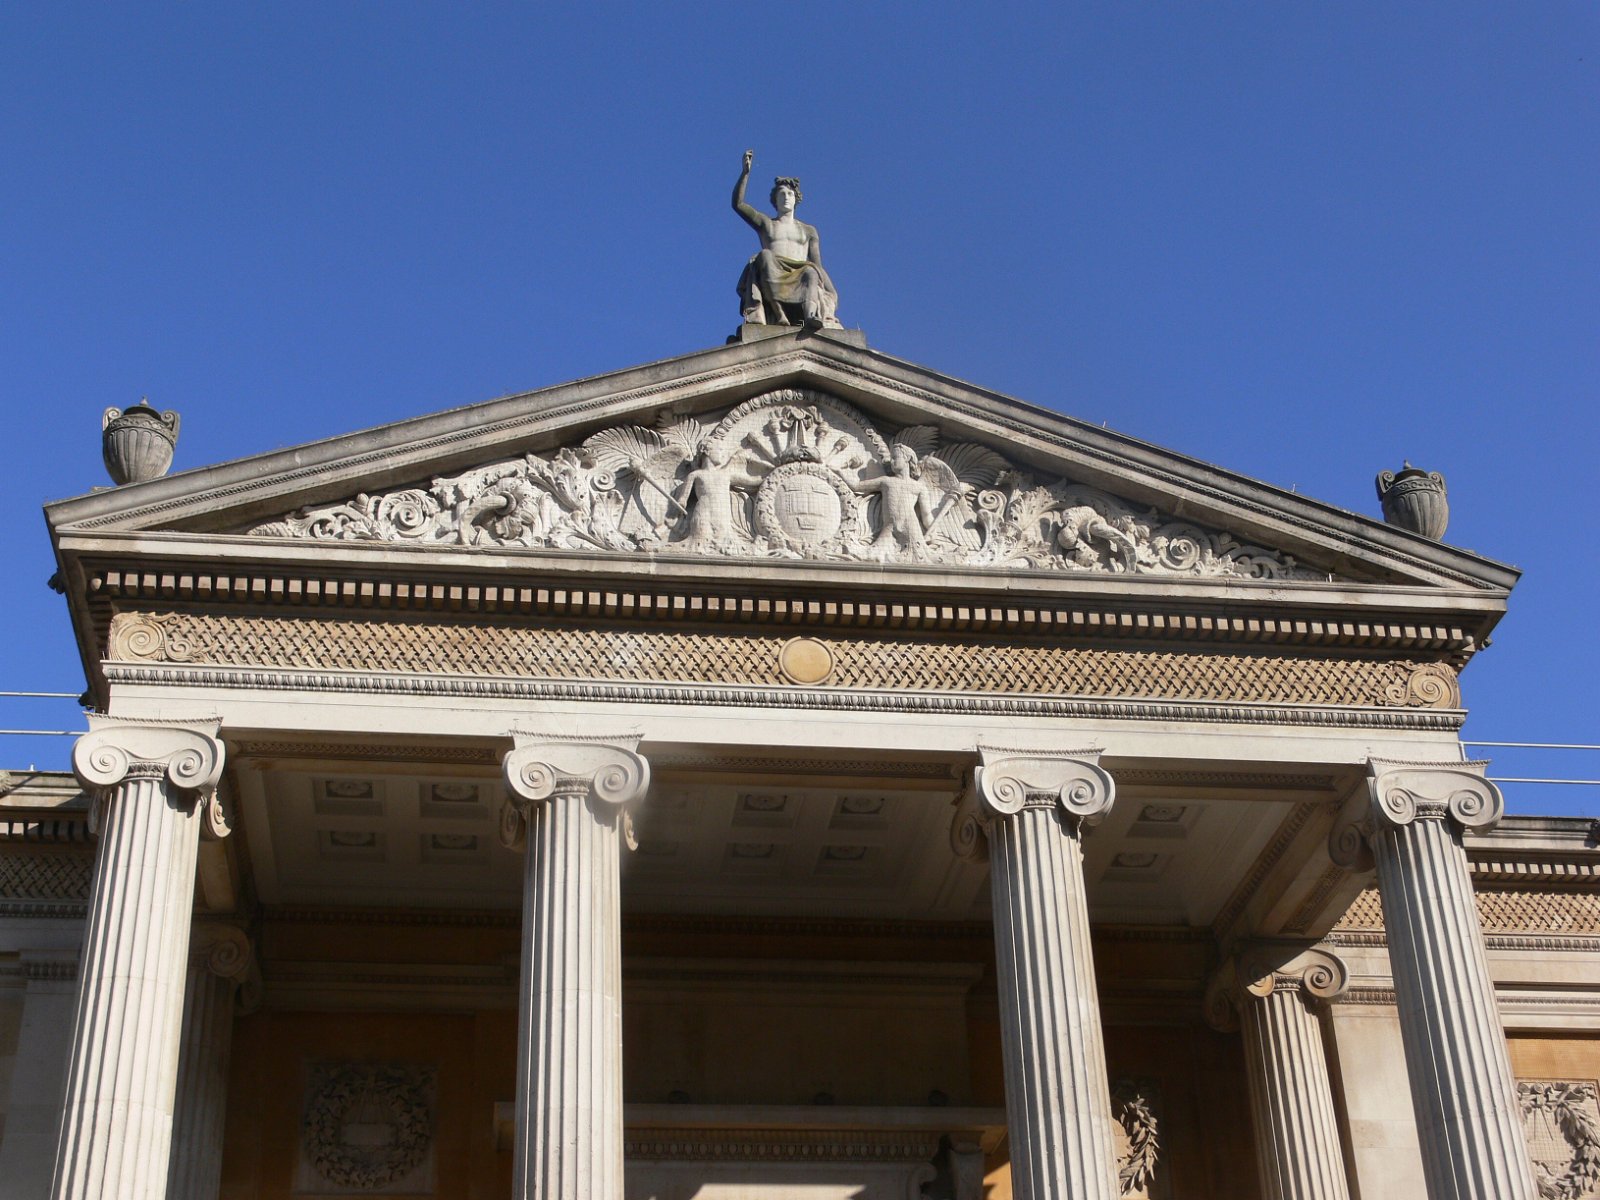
1561,1120
802,506
368,1129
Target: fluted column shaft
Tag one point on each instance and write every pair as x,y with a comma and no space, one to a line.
218,962
1468,1119
566,808
1275,988
1058,1105
154,784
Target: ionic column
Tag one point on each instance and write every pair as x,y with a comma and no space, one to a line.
566,810
1411,823
220,962
1274,989
155,786
1031,808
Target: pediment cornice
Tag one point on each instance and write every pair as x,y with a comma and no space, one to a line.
1122,478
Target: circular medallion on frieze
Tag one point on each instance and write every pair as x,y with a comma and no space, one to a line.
805,660
802,506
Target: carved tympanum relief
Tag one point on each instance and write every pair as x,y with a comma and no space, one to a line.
368,1128
790,474
1561,1119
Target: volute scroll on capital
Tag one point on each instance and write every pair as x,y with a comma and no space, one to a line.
1398,794
608,770
1258,969
186,755
226,951
1008,781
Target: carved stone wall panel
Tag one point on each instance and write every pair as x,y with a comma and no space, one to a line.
1561,1120
754,660
1547,911
367,1129
1141,1175
792,473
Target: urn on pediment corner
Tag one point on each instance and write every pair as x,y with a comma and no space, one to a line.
1415,499
137,442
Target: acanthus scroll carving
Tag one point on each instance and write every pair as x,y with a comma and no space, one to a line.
793,473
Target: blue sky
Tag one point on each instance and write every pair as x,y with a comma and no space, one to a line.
1300,241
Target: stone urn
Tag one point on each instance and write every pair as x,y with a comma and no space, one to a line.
1415,499
138,442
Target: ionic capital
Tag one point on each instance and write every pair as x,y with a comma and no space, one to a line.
226,951
186,755
607,770
222,949
1009,781
1399,794
1259,969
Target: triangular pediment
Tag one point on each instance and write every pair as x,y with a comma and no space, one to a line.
803,449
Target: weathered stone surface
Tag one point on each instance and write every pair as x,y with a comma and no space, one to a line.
1273,987
793,473
1031,808
155,783
567,809
1410,823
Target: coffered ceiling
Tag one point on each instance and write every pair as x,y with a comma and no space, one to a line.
753,836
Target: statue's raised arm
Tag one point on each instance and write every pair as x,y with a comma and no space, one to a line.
756,218
784,284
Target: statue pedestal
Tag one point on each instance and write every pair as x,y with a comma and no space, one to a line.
756,333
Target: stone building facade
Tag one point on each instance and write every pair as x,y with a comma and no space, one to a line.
778,771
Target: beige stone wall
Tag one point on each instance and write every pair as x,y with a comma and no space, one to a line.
1555,1056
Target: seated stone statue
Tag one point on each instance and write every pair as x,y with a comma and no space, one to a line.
784,284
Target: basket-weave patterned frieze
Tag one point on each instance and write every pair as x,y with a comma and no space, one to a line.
28,874
886,663
1554,911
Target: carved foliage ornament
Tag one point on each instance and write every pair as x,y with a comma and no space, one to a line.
1561,1119
793,473
1137,1138
368,1125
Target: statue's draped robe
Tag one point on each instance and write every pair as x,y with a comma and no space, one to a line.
771,279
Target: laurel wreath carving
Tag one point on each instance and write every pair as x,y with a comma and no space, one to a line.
400,1093
1136,1170
1571,1108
